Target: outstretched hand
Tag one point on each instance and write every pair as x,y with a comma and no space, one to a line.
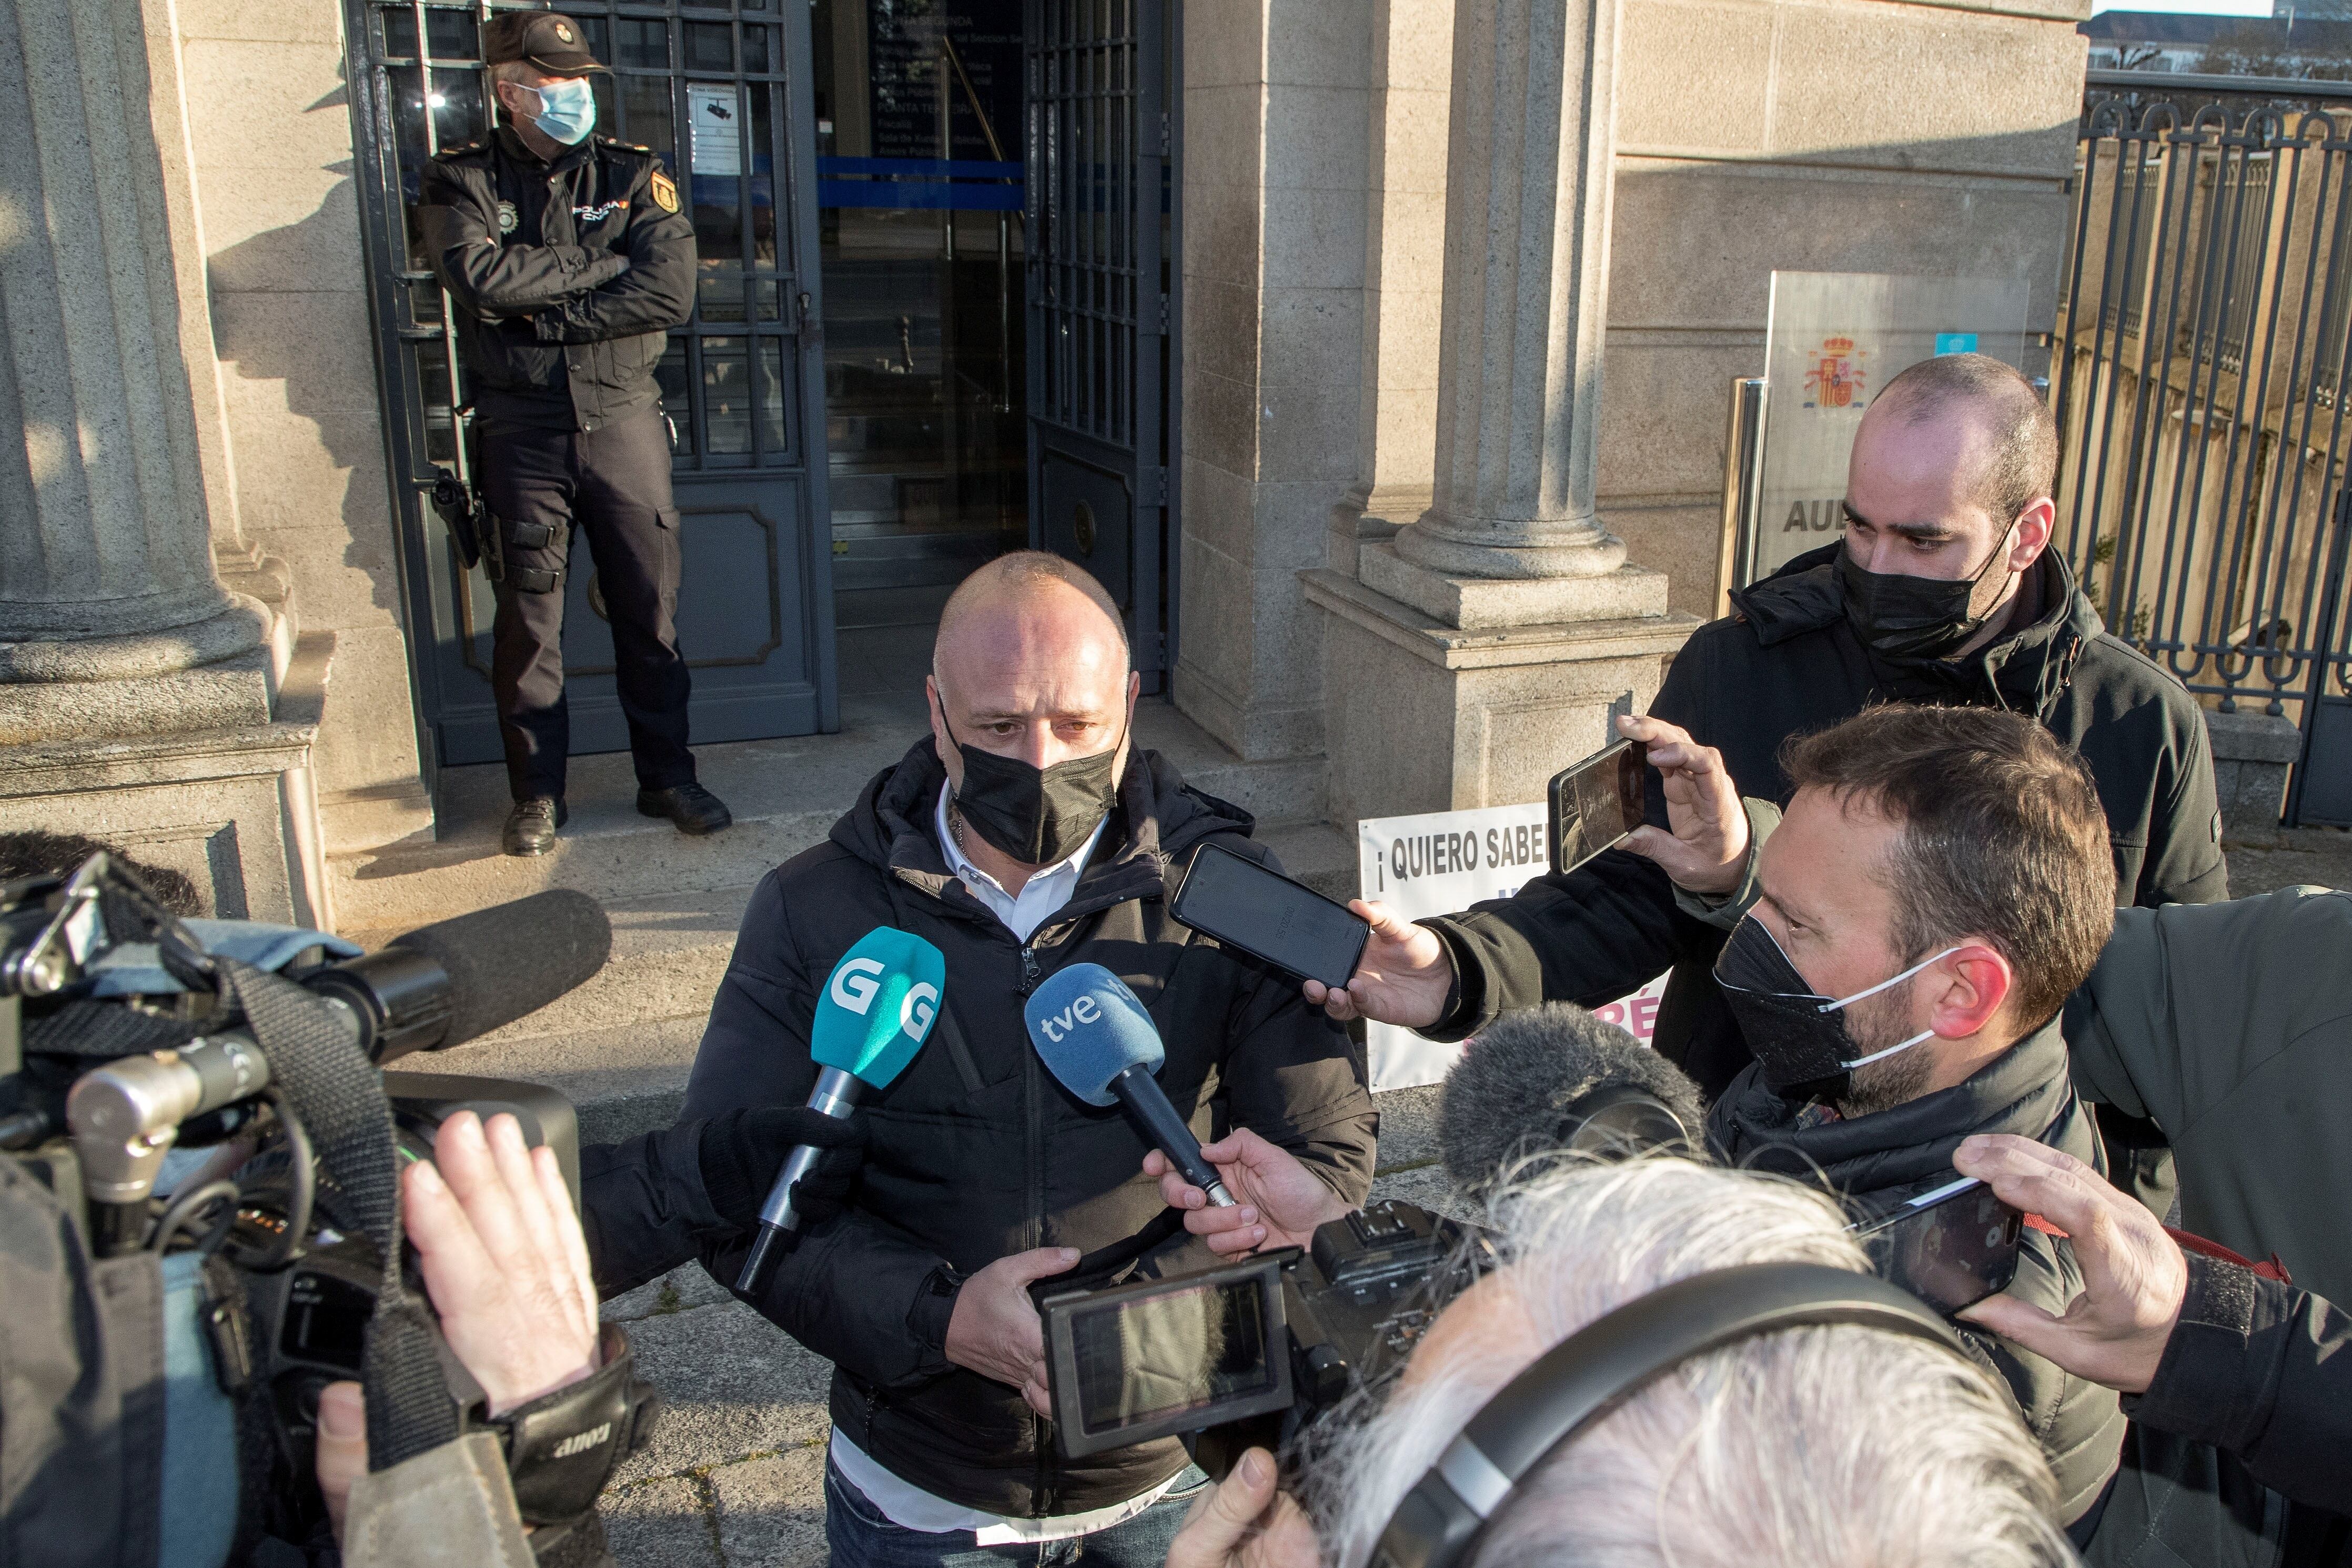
1404,977
1706,850
2134,1277
1277,1201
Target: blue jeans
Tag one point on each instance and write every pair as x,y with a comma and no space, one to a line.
860,1537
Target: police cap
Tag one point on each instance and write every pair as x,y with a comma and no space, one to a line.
548,40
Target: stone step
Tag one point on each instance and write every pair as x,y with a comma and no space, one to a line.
786,794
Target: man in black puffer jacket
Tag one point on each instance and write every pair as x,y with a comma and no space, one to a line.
1944,592
1045,841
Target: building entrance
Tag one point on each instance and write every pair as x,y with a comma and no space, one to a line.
721,93
931,325
992,224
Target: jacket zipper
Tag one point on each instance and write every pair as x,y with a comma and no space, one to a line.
1035,1228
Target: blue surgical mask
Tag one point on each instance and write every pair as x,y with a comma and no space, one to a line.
567,111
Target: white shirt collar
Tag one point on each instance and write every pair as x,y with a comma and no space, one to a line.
1040,898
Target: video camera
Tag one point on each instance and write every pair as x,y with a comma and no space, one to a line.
1253,1353
100,1084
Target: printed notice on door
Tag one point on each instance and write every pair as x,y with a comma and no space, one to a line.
715,114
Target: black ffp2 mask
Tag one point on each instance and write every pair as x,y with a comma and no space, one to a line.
1039,816
1803,1045
1904,617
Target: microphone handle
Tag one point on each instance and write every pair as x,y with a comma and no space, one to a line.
835,1093
1146,1102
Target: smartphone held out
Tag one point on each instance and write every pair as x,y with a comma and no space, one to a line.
1597,803
1265,915
1951,1248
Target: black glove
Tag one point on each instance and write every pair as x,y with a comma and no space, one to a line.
743,1150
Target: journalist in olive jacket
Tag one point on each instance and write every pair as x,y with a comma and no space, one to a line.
976,1152
2229,1025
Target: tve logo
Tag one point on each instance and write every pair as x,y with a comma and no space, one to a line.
1057,1026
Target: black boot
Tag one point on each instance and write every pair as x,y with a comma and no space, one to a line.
530,826
695,809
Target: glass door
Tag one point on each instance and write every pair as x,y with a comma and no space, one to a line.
721,93
1100,223
922,233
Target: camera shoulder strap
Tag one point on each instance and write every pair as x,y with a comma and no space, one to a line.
339,1095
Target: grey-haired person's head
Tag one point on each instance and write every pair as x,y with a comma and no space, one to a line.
1830,1447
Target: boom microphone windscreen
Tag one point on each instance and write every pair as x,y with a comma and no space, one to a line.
1555,1078
512,960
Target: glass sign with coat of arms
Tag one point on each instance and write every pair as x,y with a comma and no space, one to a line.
1834,341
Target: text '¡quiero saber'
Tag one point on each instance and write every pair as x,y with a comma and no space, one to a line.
1442,854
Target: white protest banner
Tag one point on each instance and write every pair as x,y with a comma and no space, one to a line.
1442,862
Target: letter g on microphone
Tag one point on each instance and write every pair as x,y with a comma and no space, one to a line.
855,982
916,1010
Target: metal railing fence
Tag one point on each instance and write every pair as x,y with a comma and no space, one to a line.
2201,375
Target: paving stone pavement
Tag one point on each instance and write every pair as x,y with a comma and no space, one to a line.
735,1475
2265,863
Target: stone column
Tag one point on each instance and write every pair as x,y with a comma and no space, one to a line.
1483,647
1528,175
136,691
106,553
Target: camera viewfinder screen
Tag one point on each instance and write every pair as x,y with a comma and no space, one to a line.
1163,1355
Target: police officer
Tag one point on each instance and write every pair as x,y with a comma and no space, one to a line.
569,261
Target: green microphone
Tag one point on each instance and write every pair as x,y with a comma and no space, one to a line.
874,1012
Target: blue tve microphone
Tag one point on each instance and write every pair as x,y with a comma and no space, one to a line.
874,1012
1094,1035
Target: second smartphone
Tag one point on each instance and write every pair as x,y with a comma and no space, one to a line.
1596,803
1951,1248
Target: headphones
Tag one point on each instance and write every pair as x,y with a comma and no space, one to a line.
1606,1363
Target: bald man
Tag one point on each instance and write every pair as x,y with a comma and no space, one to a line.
1943,591
1024,833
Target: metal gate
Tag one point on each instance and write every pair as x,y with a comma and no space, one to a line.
2200,371
1100,239
721,92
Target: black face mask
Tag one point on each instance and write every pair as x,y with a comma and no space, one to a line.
1039,816
1798,1036
1911,617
